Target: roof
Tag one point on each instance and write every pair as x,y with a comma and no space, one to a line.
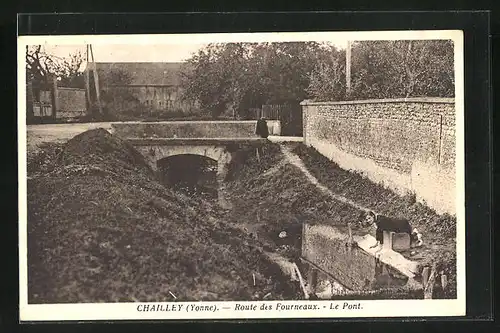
146,73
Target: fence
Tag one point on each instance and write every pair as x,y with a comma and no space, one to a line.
272,112
48,101
289,115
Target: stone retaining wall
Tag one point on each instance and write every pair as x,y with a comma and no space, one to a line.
406,144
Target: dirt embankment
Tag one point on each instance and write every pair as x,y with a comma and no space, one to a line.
101,228
271,195
439,231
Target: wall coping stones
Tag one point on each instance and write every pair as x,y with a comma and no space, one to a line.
392,100
70,88
152,123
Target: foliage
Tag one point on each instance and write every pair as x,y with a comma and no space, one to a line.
387,69
41,67
392,69
239,76
327,80
118,101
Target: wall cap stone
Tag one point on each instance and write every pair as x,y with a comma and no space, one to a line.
167,122
391,100
71,89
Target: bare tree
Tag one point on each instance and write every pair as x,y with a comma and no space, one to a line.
41,67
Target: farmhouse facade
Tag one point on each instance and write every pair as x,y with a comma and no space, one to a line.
154,84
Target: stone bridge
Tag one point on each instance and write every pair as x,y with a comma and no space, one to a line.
157,141
212,139
217,149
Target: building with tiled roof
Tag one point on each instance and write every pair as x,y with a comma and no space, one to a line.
155,84
146,73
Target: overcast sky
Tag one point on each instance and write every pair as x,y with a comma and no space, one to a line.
133,53
179,47
130,53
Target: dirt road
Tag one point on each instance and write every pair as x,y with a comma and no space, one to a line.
59,133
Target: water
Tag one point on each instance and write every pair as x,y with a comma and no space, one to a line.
347,268
342,269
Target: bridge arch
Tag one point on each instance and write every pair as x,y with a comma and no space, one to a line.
189,171
155,153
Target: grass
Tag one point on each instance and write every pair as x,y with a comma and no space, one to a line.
272,196
101,228
439,231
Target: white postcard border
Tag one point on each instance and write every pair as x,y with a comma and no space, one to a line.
129,311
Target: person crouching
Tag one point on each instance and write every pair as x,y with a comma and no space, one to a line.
390,224
261,128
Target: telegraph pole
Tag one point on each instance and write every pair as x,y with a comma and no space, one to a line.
348,68
87,81
96,81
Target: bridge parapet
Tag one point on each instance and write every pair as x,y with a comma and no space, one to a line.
190,129
197,141
185,129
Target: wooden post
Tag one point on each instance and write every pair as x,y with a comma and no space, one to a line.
348,68
312,278
30,100
429,286
303,241
444,281
301,281
54,97
304,124
425,276
87,83
349,229
96,81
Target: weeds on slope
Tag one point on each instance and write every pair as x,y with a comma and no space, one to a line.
102,229
270,196
439,230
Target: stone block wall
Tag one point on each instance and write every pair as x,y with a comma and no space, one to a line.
406,144
354,271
